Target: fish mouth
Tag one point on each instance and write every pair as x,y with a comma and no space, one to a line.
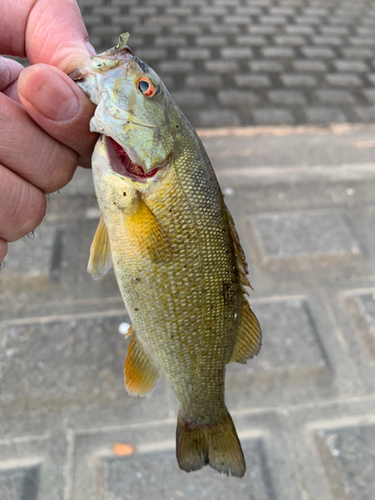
122,165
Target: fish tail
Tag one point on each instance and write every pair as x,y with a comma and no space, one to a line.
215,445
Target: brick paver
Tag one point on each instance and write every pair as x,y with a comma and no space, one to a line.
308,45
304,407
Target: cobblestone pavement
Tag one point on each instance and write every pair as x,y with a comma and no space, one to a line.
243,62
303,201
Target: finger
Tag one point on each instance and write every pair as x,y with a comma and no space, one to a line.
3,252
28,151
50,31
22,206
9,72
59,107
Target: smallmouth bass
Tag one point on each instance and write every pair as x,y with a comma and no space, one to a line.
175,252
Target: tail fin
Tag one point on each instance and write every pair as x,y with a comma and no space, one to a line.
215,445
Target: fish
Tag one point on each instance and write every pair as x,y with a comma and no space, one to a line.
175,251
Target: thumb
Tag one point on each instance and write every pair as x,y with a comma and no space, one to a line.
59,107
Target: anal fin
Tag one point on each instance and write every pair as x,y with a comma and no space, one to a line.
249,336
100,261
140,371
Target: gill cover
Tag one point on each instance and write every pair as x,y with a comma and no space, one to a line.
139,121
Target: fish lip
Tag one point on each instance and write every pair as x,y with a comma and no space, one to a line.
115,160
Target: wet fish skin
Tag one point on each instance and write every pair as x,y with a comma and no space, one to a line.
175,251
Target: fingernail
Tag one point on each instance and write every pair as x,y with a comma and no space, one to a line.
90,48
49,94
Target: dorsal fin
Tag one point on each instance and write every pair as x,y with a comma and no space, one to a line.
100,261
249,335
140,371
240,254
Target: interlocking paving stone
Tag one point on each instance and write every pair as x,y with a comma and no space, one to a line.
348,458
294,353
62,362
132,477
19,483
303,36
324,116
298,240
269,116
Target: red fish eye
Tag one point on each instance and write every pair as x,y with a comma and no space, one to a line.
146,87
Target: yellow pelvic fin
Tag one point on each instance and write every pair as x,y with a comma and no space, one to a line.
100,261
215,445
249,336
140,372
145,233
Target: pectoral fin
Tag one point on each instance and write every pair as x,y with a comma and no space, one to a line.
140,372
144,232
100,261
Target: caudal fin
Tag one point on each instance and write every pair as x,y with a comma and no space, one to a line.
215,445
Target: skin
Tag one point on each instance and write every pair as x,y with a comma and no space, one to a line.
44,116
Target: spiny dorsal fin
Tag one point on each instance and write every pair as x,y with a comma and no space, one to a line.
140,371
100,261
249,336
145,233
240,254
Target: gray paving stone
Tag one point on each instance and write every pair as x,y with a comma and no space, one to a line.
344,80
237,53
286,97
309,66
211,40
278,52
221,66
300,30
251,40
204,81
215,117
335,96
194,53
350,66
272,116
273,20
292,40
19,483
262,30
60,362
131,477
318,52
365,113
253,81
369,94
237,98
324,116
187,98
266,66
294,353
357,53
304,239
296,80
348,459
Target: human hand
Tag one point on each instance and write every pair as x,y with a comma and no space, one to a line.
44,131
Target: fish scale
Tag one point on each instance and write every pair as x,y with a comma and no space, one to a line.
175,251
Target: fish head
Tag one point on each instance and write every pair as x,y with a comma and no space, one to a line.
134,108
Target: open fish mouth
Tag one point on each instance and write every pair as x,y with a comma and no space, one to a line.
121,163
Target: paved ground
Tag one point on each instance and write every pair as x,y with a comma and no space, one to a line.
243,62
303,201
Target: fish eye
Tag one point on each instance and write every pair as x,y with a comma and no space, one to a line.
146,87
